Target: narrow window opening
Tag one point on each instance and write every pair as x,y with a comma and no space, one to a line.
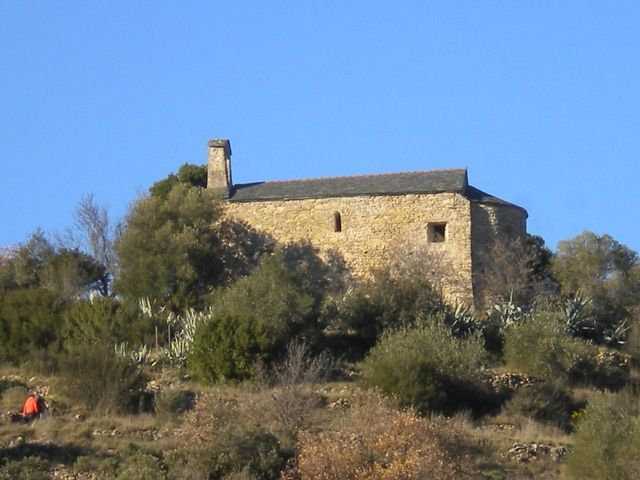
337,222
436,232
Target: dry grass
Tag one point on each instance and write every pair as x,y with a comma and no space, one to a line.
365,433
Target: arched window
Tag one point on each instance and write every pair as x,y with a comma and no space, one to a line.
337,222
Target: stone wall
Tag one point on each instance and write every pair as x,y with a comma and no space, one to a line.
492,224
374,229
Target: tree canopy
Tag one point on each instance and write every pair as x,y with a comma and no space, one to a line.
169,249
66,271
188,174
602,269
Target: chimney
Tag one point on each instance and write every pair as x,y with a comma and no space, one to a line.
219,168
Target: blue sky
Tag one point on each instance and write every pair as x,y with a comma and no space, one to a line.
540,100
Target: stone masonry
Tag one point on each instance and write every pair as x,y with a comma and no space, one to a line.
435,215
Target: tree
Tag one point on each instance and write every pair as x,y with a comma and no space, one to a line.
72,274
517,269
93,221
37,263
169,249
604,270
22,270
188,174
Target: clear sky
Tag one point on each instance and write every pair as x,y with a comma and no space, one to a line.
540,100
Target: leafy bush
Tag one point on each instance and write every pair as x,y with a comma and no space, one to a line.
100,318
247,448
13,398
428,368
253,321
607,442
141,466
41,361
609,370
374,441
604,270
98,467
29,318
188,174
33,468
387,302
229,444
172,402
544,402
96,378
539,346
72,273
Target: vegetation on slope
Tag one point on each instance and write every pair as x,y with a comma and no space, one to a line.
252,360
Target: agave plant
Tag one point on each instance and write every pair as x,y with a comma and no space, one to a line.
574,309
507,313
461,320
138,356
617,334
184,328
181,329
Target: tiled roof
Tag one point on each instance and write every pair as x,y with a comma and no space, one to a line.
476,195
434,181
430,181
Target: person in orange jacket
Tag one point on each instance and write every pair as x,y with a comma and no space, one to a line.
34,406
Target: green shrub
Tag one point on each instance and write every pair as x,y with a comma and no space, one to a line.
29,319
386,302
13,398
141,466
430,369
97,319
32,468
42,361
253,321
188,464
95,377
609,370
168,249
172,402
98,467
544,402
607,442
238,450
539,346
250,449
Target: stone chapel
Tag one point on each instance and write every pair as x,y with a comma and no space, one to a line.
367,218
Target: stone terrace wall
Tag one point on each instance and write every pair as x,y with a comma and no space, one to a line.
373,229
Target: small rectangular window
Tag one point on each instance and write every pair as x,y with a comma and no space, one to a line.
436,232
